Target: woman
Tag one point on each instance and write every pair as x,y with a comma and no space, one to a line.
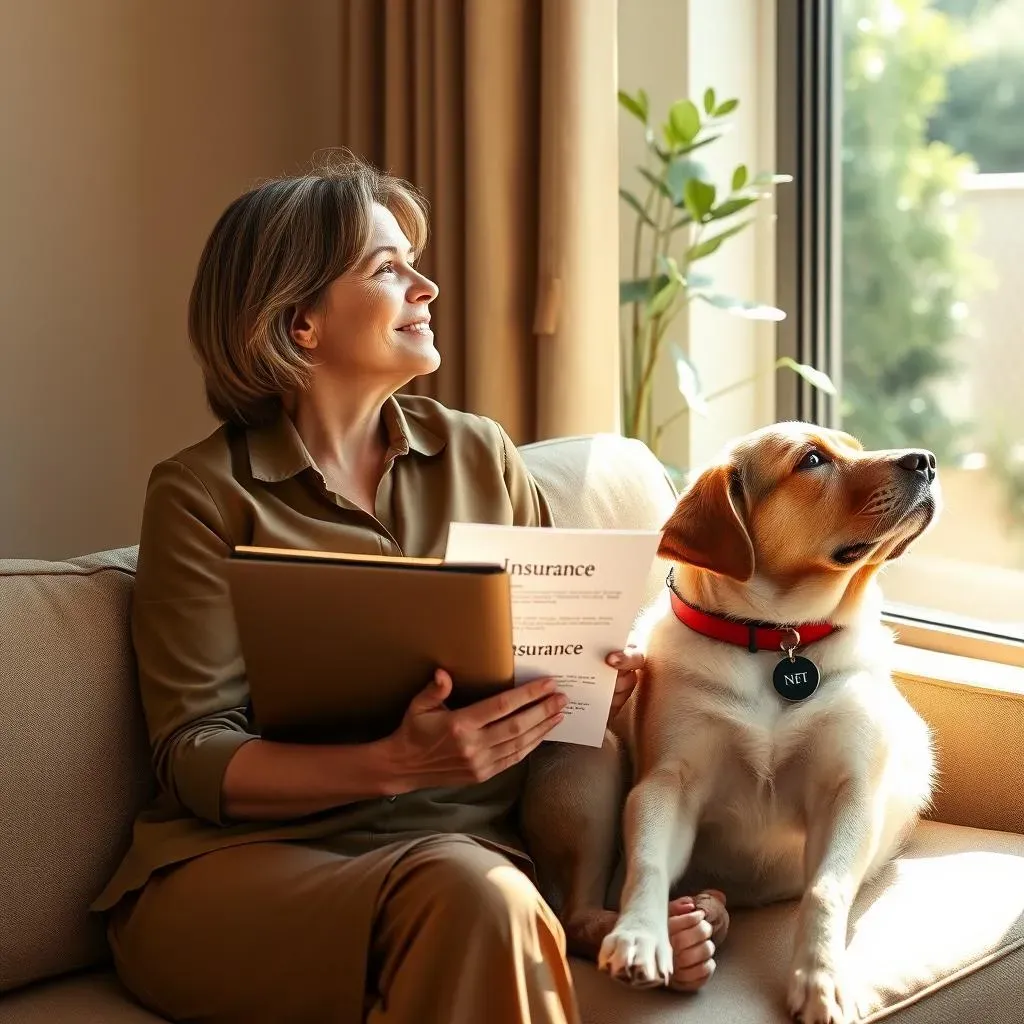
281,882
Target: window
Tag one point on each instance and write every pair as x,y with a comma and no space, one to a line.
899,251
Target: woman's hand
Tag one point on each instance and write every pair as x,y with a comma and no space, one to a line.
435,746
629,663
696,927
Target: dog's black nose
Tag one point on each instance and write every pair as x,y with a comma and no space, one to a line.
922,462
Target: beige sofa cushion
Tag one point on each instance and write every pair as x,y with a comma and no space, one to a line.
939,938
73,758
601,481
93,998
943,942
604,481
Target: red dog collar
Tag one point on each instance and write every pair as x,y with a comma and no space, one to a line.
754,636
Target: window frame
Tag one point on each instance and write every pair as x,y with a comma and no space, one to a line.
807,236
808,240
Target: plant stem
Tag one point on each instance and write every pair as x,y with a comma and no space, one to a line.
671,314
735,386
660,326
636,359
662,241
649,344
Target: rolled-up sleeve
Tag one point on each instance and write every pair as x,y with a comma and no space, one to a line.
190,669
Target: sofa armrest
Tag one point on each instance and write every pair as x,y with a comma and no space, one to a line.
976,713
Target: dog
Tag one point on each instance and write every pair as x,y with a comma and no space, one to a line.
766,751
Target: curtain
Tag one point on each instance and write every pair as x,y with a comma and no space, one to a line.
504,113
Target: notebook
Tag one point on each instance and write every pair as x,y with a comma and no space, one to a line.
336,645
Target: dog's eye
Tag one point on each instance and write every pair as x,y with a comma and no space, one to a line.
812,459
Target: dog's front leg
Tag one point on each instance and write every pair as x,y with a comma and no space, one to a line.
659,828
843,836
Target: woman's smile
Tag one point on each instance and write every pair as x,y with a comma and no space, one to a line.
417,327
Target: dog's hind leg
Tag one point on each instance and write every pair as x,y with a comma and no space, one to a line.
570,817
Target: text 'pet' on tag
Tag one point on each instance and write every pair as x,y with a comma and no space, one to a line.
796,678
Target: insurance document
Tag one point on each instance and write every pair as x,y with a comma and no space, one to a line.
575,596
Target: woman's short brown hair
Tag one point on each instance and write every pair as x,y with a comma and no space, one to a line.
276,248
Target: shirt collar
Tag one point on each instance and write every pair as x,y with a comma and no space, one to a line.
406,433
276,452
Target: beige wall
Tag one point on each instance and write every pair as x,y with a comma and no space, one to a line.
126,128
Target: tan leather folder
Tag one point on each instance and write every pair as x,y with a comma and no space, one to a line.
336,645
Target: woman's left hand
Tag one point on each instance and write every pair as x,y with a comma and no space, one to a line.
629,663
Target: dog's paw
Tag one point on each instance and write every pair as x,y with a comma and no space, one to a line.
818,995
640,956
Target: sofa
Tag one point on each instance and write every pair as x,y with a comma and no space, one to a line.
939,937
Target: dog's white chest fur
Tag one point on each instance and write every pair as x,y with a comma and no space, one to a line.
753,760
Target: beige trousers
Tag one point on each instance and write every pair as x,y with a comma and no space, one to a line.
439,930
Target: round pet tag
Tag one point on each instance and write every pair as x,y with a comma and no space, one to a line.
796,678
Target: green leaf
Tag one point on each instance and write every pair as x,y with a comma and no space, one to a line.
637,106
636,290
731,206
637,206
684,118
709,101
680,170
726,108
654,180
816,378
664,297
739,177
739,307
710,245
695,280
688,382
699,197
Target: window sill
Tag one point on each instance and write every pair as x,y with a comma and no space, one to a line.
956,670
952,638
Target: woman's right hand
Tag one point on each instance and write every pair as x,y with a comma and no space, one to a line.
435,746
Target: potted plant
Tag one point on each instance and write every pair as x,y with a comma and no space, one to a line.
681,220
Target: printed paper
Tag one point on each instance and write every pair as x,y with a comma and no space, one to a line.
575,595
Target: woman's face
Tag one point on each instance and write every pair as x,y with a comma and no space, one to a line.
374,320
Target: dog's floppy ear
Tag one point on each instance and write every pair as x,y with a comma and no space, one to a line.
707,530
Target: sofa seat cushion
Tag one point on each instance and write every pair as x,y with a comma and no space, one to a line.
938,937
93,998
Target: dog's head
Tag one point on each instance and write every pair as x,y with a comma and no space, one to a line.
799,507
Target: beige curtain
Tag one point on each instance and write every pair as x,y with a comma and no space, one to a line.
504,113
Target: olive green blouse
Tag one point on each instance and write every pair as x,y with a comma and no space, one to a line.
260,486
